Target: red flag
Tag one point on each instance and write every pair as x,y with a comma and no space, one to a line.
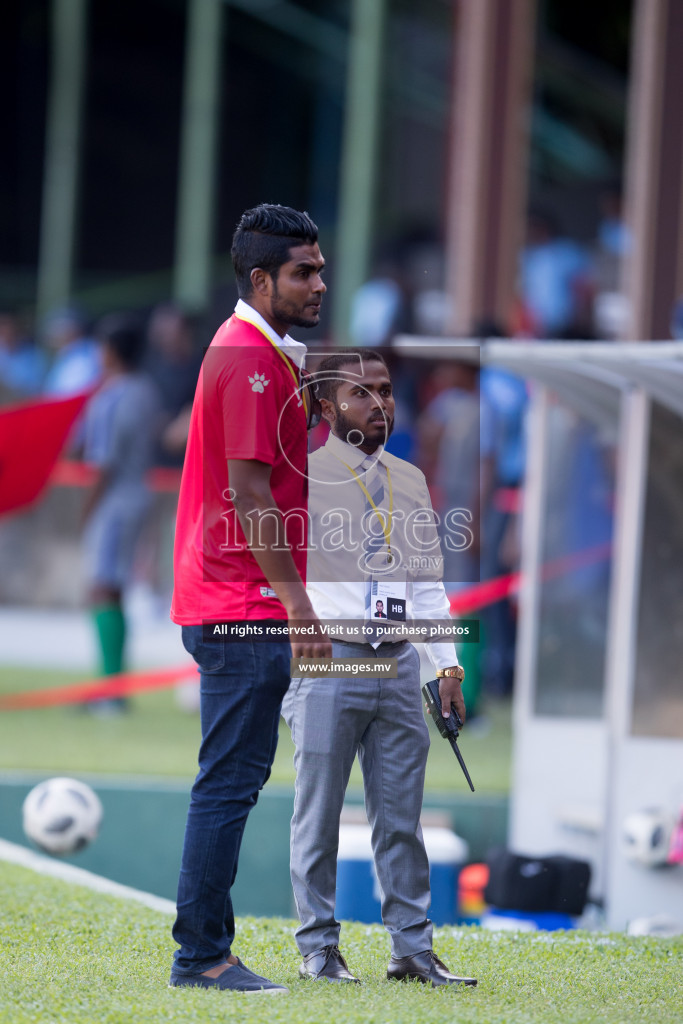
31,437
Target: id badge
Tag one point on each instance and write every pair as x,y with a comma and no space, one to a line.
388,600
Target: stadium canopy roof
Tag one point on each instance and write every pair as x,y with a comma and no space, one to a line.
590,375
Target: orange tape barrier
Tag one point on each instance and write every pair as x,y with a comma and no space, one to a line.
96,689
463,602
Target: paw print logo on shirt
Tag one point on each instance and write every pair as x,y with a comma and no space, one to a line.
258,383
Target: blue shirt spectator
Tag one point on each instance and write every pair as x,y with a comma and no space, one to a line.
22,363
556,280
508,397
77,364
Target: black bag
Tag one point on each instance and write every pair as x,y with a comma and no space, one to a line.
572,878
556,884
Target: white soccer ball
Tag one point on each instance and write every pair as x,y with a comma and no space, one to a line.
62,815
646,836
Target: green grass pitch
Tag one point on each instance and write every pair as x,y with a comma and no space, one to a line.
72,956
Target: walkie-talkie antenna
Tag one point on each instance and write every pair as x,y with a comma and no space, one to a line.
448,727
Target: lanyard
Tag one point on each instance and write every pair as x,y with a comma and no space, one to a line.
295,377
386,523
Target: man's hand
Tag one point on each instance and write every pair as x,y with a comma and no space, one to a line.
450,691
307,645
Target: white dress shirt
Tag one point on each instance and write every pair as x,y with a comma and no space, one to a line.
340,519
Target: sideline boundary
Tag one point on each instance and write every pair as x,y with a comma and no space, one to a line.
38,862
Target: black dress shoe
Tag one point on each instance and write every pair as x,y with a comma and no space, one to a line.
425,967
327,963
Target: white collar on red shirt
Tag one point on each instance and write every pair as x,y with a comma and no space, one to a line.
296,350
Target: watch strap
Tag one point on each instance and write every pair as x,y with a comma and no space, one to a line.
457,672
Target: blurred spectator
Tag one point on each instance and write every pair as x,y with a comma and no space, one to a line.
614,235
432,306
433,309
77,362
402,441
612,244
456,438
556,281
121,429
22,363
173,362
677,320
380,308
456,444
611,314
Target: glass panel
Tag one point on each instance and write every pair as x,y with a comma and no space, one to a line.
658,693
576,564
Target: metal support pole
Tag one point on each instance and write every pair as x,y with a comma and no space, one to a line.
622,629
653,272
359,158
490,133
62,147
199,134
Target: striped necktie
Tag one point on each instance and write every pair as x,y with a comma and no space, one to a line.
376,542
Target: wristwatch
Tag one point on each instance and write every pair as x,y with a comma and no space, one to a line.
458,672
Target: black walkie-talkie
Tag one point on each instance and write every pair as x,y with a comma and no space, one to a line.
448,727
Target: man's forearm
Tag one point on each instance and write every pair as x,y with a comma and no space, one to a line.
279,569
260,518
264,529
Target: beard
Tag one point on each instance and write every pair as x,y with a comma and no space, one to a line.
381,432
287,313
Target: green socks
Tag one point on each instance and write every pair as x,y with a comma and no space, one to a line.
111,632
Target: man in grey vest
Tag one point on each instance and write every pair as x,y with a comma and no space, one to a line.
373,559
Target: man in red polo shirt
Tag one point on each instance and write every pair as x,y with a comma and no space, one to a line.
240,555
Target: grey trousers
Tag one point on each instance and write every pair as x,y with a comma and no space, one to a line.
381,720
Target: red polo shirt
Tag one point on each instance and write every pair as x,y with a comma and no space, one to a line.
246,407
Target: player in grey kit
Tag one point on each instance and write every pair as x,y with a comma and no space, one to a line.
120,433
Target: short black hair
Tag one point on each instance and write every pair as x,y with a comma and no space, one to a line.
264,237
326,376
123,334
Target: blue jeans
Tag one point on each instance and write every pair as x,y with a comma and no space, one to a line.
242,686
